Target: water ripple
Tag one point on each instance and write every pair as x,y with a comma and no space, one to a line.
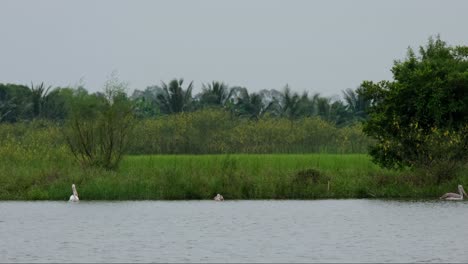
233,231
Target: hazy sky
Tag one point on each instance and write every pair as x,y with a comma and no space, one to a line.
318,46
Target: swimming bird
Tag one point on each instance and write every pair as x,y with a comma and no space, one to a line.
219,198
74,196
455,196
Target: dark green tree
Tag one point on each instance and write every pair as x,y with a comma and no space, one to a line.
39,97
292,105
323,107
250,105
339,114
174,98
14,102
420,119
215,94
57,105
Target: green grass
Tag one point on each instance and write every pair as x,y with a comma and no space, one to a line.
176,177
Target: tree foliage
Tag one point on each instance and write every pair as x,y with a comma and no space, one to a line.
251,105
23,103
174,99
420,119
14,102
98,130
215,94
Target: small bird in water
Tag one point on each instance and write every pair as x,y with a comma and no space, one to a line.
454,196
219,197
74,196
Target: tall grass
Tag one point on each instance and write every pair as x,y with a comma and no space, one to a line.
36,165
201,177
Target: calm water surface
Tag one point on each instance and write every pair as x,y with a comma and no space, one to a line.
234,231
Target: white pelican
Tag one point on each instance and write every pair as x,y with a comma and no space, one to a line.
455,196
219,198
74,196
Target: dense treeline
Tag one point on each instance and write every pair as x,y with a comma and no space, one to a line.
25,103
220,119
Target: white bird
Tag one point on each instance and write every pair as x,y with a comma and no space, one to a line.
455,196
219,197
74,196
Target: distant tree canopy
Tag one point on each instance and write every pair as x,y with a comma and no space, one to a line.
420,119
22,103
14,102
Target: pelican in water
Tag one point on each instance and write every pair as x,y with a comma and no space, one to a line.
74,196
219,198
455,196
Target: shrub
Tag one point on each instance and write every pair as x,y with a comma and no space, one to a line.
98,131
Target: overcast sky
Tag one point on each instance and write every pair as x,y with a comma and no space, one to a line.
317,46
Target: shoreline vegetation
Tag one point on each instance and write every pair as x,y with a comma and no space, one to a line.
49,175
311,159
237,177
36,163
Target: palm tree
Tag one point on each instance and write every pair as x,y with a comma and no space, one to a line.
39,97
339,115
174,98
215,94
289,103
323,107
250,105
356,104
331,110
292,105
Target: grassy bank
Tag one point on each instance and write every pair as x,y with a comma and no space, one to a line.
309,176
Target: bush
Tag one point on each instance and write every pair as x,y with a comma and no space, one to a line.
216,131
310,176
99,128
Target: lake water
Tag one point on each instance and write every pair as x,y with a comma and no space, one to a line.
234,231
